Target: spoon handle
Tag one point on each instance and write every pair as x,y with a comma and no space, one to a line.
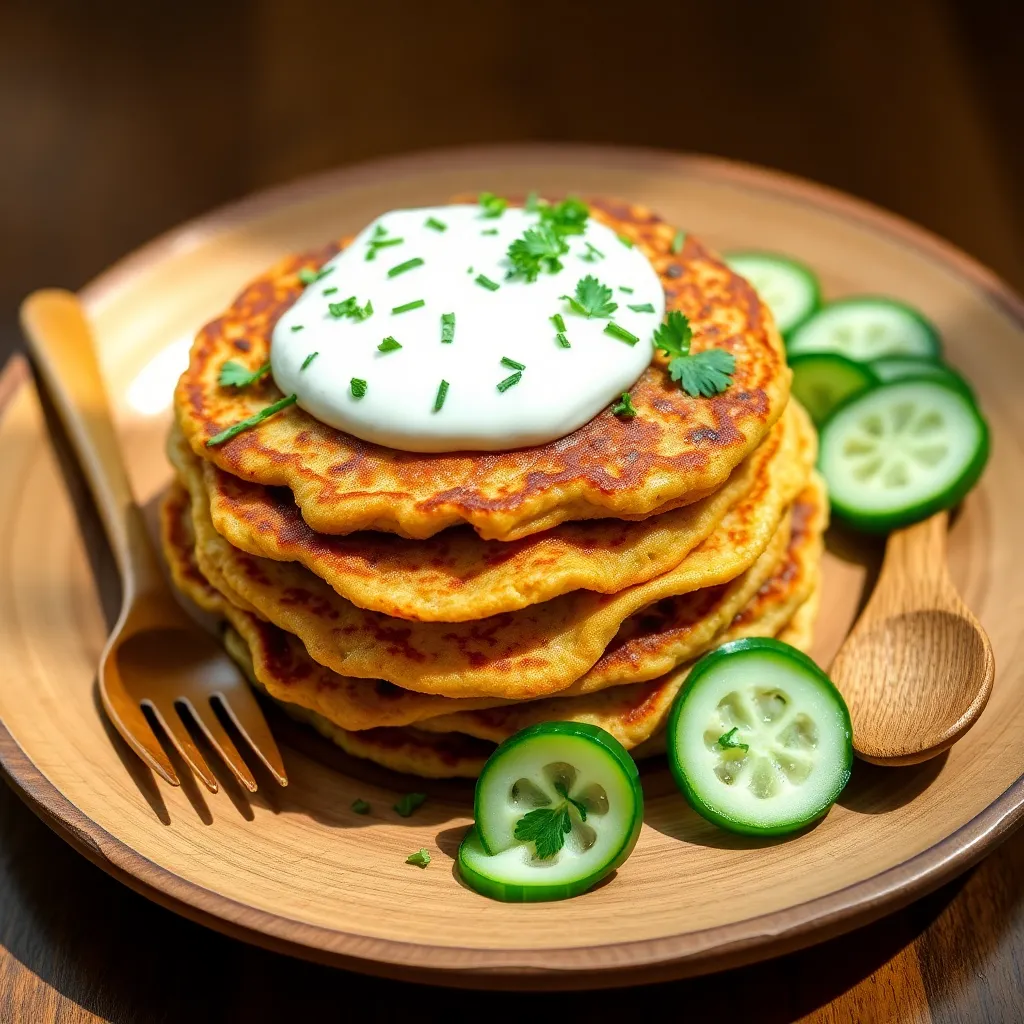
62,347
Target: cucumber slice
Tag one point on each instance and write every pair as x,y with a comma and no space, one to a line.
891,368
559,774
765,696
866,328
789,289
823,380
902,452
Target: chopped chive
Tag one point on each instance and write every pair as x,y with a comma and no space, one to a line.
562,340
623,288
624,408
621,333
371,252
511,363
296,327
558,322
389,345
308,360
309,276
442,394
677,242
415,304
510,381
447,328
486,282
469,270
492,205
360,806
329,291
379,231
437,225
358,386
645,307
489,231
593,254
533,202
252,421
407,265
625,240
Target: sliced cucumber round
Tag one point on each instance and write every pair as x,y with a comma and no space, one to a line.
789,289
759,740
866,328
558,807
901,452
890,368
823,380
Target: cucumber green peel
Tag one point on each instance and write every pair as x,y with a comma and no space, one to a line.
759,740
558,807
823,380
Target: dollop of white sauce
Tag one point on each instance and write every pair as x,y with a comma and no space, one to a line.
560,388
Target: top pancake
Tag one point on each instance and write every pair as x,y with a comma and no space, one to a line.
675,451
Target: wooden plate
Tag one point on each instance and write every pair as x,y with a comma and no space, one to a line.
294,869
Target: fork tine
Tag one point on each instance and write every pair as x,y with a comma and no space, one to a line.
136,731
250,721
167,715
221,742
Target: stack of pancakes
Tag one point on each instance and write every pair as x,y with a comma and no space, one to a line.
418,609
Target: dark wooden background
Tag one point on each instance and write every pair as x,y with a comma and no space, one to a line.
121,119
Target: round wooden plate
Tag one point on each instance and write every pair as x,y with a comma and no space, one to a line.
294,869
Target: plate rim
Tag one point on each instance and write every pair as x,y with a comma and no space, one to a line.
605,965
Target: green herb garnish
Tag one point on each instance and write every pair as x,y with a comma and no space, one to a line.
421,858
593,254
296,327
415,304
726,741
511,363
308,360
358,386
625,240
486,282
569,217
408,803
623,288
558,322
447,328
644,308
235,375
377,244
251,421
489,231
562,340
389,345
547,827
442,394
437,225
407,265
492,205
309,276
328,291
592,298
350,308
510,381
533,202
704,374
677,242
624,407
617,331
538,250
360,806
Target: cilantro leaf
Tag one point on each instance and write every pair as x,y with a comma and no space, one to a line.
569,217
592,298
235,375
707,373
421,858
673,337
408,803
727,742
546,828
491,205
538,250
350,308
624,408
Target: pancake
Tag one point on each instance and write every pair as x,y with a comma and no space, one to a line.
526,654
456,576
675,451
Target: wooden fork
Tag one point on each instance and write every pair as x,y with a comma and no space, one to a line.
157,657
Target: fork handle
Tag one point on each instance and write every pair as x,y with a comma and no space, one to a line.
62,347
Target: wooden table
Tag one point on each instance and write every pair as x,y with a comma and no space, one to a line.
76,946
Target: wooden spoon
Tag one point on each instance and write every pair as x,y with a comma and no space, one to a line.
917,668
156,658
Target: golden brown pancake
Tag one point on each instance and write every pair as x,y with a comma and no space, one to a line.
521,655
455,576
676,450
